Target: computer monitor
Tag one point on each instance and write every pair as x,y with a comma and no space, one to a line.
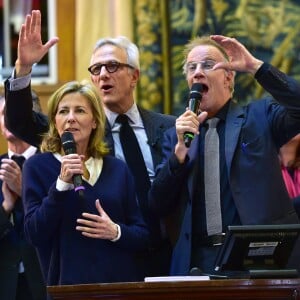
258,250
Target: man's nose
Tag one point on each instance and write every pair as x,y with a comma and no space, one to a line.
103,71
199,69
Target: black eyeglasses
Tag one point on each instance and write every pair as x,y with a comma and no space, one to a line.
111,67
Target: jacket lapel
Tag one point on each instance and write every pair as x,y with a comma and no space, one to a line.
154,131
234,120
109,138
192,153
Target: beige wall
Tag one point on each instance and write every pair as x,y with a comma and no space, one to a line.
105,18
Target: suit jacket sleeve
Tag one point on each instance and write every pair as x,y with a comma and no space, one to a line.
170,173
5,225
285,89
20,119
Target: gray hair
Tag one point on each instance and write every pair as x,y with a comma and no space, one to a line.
123,43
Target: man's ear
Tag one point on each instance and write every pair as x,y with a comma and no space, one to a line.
229,78
135,77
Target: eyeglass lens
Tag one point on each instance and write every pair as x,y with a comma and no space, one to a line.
110,67
205,65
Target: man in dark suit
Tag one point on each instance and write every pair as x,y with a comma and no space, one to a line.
20,273
252,190
115,72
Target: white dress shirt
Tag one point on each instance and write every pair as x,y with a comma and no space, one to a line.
135,121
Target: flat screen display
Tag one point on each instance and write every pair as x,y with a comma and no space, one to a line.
257,247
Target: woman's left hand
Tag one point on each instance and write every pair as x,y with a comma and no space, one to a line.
97,226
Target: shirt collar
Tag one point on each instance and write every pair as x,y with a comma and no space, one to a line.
222,113
132,113
31,150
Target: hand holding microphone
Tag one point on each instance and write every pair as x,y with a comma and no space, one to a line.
194,102
69,146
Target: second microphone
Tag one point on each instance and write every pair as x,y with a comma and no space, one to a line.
194,102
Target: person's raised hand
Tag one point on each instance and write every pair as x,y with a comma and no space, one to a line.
30,46
240,59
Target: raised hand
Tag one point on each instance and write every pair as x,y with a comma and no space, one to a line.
30,46
240,58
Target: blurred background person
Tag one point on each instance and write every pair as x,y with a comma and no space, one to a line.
20,273
289,156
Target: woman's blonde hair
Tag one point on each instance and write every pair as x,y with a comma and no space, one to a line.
51,141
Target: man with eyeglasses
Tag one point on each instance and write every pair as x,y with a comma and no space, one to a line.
248,187
115,71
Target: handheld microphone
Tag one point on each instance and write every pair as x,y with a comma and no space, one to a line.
69,146
194,102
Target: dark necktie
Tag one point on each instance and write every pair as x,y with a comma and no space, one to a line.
19,159
212,178
135,161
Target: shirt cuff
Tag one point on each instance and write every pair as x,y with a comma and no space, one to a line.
16,84
63,186
118,234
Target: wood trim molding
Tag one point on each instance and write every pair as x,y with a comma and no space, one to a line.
66,11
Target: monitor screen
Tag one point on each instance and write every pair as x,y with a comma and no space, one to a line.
257,247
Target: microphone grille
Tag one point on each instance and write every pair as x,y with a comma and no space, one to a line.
196,90
67,141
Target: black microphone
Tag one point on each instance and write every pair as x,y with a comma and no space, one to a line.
69,146
194,102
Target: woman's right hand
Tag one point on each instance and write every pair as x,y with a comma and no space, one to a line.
71,164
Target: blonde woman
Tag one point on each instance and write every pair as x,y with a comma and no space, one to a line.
99,244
